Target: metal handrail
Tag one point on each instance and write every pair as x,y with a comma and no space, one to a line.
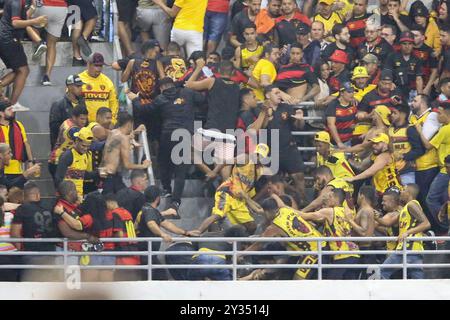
234,253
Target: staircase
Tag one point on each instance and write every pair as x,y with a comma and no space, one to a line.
39,99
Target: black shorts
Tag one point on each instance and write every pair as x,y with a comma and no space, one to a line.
113,184
291,160
13,55
87,8
127,9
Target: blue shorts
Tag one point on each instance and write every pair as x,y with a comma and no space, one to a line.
215,24
102,261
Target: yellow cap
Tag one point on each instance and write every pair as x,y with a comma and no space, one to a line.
85,134
381,137
328,2
323,136
262,149
360,72
384,112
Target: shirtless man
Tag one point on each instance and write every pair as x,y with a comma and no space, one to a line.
116,154
363,225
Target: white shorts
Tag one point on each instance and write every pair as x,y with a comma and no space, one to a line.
193,40
56,18
219,144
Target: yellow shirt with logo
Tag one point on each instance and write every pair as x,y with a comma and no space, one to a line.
63,142
340,228
81,164
15,166
386,177
441,141
430,158
191,16
330,22
399,138
337,163
246,55
263,67
99,92
406,222
296,227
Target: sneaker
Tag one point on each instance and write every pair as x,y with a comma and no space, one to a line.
97,37
85,49
166,193
78,62
432,244
40,50
19,108
46,81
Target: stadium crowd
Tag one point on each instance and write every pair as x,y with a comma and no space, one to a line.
375,75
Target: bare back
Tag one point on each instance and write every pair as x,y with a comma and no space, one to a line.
112,159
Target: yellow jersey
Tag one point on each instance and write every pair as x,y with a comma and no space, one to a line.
191,16
406,222
246,54
340,228
15,166
330,22
81,164
243,178
392,232
64,140
348,188
430,158
337,163
263,67
296,227
432,38
441,142
99,92
400,142
385,178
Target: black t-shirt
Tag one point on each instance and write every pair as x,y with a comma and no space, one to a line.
246,118
131,200
37,222
405,71
223,105
13,10
294,75
335,81
373,99
238,25
381,48
386,19
282,121
332,47
428,58
149,214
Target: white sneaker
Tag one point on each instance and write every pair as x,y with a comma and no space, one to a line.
19,108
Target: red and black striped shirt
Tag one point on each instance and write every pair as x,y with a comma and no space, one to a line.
345,118
356,27
294,75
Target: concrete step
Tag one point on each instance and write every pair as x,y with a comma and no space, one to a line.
40,145
60,74
64,52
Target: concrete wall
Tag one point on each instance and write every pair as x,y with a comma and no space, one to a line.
273,290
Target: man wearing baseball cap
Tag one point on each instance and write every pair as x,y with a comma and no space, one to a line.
98,89
75,164
341,116
61,110
327,16
380,124
382,95
339,60
326,156
233,197
360,82
380,166
370,62
407,68
311,49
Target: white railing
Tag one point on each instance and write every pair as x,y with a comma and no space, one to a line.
234,262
